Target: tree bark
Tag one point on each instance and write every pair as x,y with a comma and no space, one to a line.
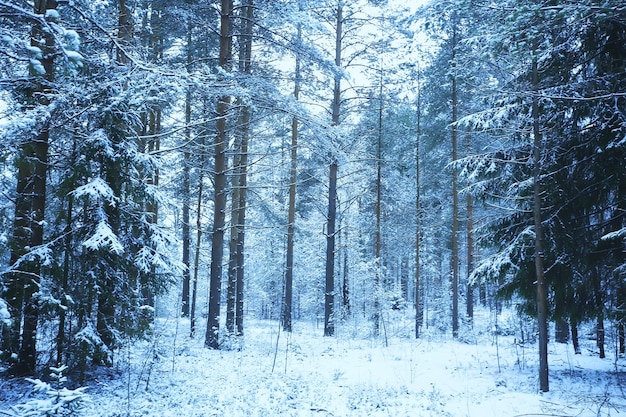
186,185
241,220
231,295
22,283
152,207
561,331
329,306
67,242
378,208
124,32
220,181
600,335
329,294
574,331
542,297
345,287
235,304
470,247
455,194
419,313
291,211
196,260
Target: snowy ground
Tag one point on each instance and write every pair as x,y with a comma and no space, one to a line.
305,374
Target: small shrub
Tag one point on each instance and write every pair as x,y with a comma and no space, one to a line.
52,399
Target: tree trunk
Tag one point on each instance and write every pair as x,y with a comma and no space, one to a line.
345,287
186,232
574,330
329,294
234,309
455,195
196,260
377,255
220,183
125,32
419,313
22,284
561,331
152,207
241,220
67,242
231,295
600,335
470,246
291,211
542,297
329,306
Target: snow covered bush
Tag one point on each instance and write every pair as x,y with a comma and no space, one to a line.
51,399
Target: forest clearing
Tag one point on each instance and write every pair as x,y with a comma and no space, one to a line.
305,374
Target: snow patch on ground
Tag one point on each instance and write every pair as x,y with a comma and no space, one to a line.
305,374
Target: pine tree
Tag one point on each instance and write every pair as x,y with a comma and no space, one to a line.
235,302
220,181
293,178
21,283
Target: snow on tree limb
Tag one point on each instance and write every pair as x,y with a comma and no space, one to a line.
104,238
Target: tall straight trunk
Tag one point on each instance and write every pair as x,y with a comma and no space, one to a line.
329,294
419,313
470,246
234,306
196,260
379,146
329,306
67,243
186,185
542,297
561,331
455,194
235,230
125,32
152,207
574,331
336,105
291,211
155,44
220,183
345,287
404,278
241,219
600,335
186,236
30,270
22,284
598,296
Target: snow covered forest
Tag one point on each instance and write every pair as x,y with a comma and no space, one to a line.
370,188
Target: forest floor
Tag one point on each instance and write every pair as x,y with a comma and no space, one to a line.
305,374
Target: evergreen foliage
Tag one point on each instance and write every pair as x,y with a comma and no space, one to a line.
126,127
